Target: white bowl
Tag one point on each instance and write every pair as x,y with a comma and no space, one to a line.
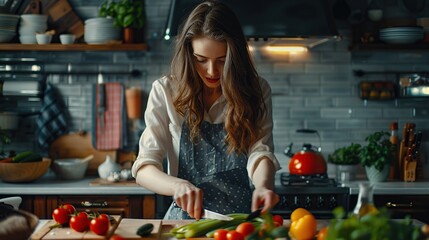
67,38
43,38
34,17
70,168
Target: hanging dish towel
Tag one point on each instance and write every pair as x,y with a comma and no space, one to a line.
108,124
51,121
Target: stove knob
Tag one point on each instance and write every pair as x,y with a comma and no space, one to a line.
283,202
332,202
296,201
307,202
320,202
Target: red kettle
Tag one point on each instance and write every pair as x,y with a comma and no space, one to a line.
307,161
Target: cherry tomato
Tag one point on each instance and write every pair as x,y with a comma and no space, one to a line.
278,220
116,237
234,235
70,208
322,234
304,228
80,222
220,234
245,228
62,214
100,225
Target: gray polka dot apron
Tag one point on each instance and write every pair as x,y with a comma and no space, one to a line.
222,177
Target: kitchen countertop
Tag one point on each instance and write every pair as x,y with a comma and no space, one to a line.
393,188
50,185
389,187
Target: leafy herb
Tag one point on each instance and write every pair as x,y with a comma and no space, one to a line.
127,13
371,226
346,155
378,151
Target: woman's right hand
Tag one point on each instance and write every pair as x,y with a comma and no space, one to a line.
189,198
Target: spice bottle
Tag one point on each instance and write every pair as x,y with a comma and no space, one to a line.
365,202
394,139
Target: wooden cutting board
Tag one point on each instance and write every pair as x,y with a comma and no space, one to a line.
128,228
45,232
79,145
104,182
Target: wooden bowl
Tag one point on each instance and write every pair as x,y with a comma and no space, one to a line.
24,172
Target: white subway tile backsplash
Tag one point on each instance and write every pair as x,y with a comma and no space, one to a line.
337,113
366,113
319,68
319,101
284,68
349,124
304,113
398,112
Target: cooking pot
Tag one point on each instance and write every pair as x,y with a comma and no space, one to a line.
307,161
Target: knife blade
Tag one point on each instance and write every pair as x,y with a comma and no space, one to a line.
214,215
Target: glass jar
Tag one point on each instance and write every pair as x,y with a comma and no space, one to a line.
365,203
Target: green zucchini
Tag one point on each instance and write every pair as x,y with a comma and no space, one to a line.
145,230
20,156
34,157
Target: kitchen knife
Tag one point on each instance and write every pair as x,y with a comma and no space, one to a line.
214,215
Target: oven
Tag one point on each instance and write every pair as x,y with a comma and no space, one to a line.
317,193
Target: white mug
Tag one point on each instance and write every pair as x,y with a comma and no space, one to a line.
67,38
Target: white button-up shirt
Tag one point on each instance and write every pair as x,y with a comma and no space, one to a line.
161,137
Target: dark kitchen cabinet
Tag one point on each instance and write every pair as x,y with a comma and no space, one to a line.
130,206
400,206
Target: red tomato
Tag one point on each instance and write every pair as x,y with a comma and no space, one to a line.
80,222
70,208
220,234
61,215
116,237
245,228
278,219
234,235
100,225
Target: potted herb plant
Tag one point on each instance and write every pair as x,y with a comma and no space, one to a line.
128,14
376,156
346,159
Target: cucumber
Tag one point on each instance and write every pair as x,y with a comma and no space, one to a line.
21,156
145,230
34,157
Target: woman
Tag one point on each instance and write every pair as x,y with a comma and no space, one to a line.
211,118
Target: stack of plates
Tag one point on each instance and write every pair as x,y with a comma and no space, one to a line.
8,23
30,25
401,35
101,31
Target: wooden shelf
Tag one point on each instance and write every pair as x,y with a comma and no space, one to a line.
72,47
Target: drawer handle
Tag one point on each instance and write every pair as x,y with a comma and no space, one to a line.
93,204
399,205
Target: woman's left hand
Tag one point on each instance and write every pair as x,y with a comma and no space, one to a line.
264,197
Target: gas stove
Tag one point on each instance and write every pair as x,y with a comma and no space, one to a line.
317,193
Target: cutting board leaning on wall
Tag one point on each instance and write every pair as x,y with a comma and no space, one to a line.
79,145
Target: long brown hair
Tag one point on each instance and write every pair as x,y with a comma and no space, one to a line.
240,81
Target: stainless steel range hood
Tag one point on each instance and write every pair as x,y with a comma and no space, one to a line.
310,21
